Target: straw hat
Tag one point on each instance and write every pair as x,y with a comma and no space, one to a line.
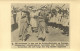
34,9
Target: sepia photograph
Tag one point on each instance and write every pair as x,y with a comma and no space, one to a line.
37,25
40,22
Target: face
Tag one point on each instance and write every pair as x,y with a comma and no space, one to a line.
23,14
34,10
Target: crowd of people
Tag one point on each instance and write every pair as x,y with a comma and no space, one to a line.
30,19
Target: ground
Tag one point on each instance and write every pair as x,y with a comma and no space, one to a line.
55,34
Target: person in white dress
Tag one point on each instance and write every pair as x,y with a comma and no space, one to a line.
33,20
58,20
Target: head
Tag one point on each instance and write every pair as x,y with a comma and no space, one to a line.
34,10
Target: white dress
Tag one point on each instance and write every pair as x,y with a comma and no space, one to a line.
65,22
33,21
58,18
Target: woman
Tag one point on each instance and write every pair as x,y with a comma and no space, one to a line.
33,21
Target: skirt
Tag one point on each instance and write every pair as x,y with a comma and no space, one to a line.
33,22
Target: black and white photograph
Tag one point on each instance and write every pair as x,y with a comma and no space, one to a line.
40,22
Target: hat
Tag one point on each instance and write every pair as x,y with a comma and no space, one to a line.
44,7
24,9
34,9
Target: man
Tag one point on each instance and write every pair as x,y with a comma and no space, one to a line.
42,26
23,23
14,12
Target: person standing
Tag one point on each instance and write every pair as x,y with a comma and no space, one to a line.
14,12
42,27
23,23
33,21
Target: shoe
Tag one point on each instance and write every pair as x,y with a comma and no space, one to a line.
43,39
27,36
47,32
20,35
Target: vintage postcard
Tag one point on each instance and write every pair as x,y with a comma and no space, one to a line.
40,24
